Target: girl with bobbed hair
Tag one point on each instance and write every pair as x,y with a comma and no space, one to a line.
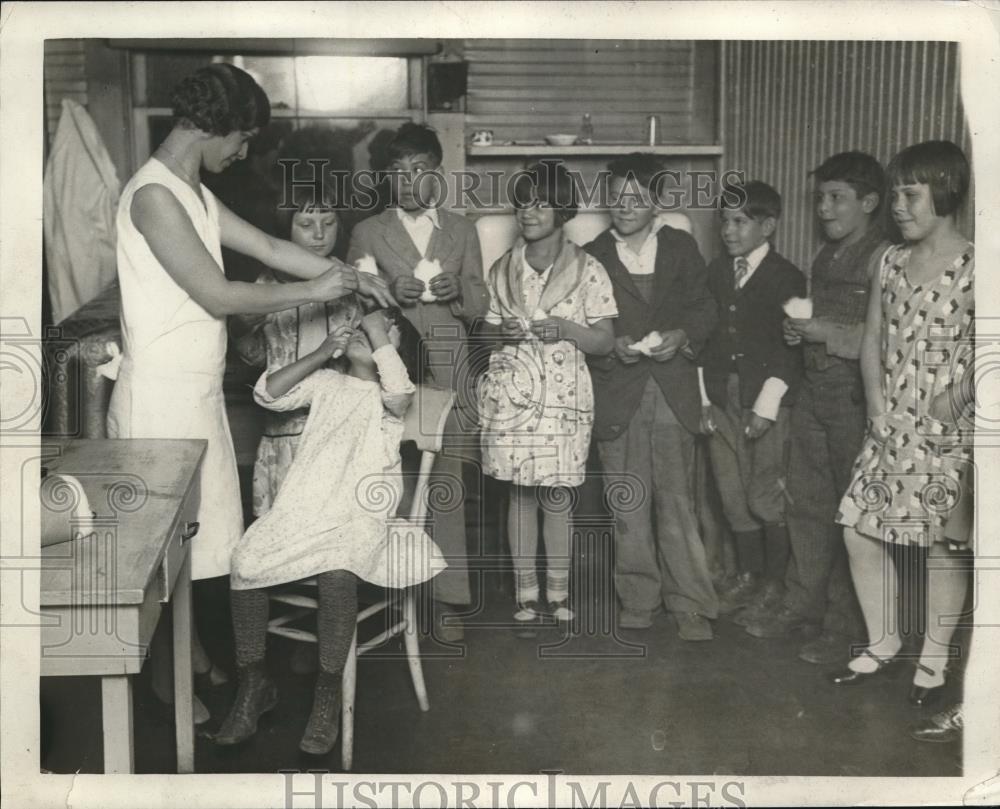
551,304
175,299
913,476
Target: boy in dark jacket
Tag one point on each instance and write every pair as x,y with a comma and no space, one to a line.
646,408
750,376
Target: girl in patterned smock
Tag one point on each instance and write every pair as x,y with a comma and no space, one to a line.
910,475
551,303
280,338
331,517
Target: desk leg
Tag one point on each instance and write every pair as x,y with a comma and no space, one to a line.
180,601
116,707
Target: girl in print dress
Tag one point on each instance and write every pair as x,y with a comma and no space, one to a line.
280,338
331,517
911,474
551,304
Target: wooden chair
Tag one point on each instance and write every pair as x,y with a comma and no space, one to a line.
424,425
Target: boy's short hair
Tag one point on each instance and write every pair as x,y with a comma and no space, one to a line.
859,170
757,199
412,139
550,182
646,168
939,164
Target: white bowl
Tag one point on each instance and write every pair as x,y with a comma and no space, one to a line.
560,140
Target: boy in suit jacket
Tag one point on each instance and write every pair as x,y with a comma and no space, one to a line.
412,229
646,407
750,378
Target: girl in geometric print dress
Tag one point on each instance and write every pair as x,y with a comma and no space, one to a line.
910,476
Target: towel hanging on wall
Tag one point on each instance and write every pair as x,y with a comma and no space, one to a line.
80,199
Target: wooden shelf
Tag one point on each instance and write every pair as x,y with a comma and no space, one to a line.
596,149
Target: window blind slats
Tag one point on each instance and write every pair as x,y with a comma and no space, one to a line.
525,89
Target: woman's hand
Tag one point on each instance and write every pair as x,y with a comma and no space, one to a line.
673,341
552,329
755,426
707,425
374,287
626,355
338,281
407,289
336,342
446,286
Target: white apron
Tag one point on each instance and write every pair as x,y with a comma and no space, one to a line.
170,381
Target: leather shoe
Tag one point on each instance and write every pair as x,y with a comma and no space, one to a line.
322,729
740,595
255,696
945,726
848,676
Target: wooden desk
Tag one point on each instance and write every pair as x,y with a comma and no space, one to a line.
101,597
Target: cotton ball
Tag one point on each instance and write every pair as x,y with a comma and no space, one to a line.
426,271
799,308
366,264
539,314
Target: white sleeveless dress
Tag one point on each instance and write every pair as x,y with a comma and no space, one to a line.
170,380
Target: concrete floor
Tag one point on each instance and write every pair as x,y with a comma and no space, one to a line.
590,700
641,702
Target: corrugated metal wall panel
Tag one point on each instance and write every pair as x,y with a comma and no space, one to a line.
526,89
64,75
790,105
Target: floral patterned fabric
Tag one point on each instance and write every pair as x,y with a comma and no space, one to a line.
336,508
905,489
536,399
274,341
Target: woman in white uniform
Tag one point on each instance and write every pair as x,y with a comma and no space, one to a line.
175,299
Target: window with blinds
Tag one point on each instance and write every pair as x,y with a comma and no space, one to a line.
525,89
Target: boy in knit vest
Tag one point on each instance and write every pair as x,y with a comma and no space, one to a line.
828,419
750,376
646,404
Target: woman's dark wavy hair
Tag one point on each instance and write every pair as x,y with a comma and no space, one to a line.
220,99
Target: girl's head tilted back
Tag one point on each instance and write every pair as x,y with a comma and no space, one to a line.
220,99
939,164
404,337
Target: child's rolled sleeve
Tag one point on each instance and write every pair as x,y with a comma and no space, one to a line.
298,396
397,388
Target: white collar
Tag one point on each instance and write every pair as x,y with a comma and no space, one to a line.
430,213
755,256
658,225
